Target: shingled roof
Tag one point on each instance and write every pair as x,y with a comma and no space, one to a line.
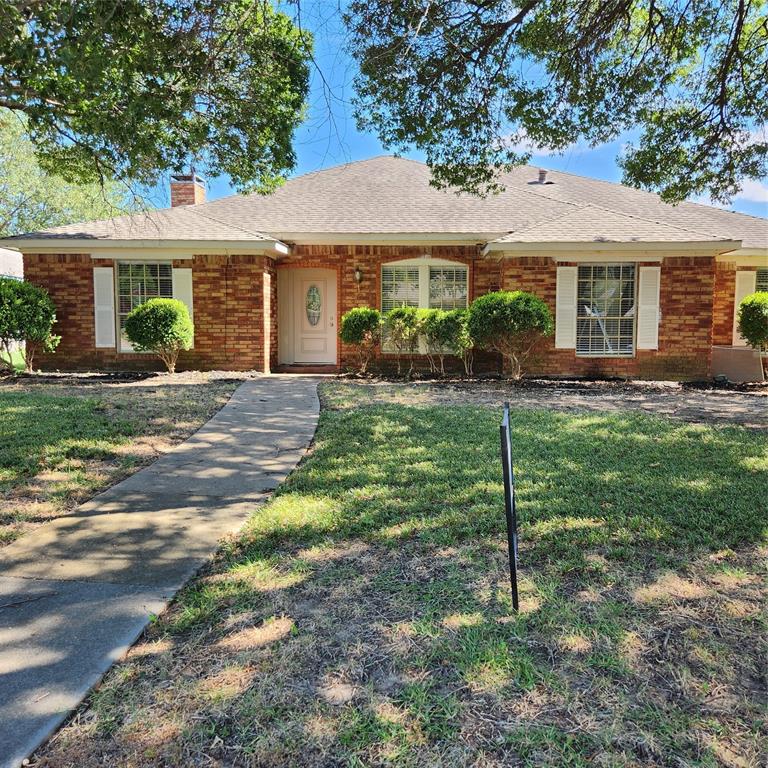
392,196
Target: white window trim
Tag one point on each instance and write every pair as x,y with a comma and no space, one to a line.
423,263
126,348
609,355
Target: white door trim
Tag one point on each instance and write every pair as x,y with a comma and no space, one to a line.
300,342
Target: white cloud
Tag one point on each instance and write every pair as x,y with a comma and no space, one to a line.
754,191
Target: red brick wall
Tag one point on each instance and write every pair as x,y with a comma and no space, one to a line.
685,333
187,193
235,308
724,297
228,306
344,259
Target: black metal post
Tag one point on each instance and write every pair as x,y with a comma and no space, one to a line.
509,501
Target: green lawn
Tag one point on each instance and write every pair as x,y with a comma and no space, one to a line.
363,617
17,360
60,443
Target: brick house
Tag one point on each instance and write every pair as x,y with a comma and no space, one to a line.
638,288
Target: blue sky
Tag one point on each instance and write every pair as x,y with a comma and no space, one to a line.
329,135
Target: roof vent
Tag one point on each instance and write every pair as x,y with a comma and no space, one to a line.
542,175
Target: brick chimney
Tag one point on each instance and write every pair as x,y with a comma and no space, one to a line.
187,189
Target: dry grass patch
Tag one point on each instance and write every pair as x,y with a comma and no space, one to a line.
64,439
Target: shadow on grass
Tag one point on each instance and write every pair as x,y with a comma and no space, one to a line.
386,553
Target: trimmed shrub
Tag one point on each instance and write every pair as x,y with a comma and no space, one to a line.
510,323
402,327
160,326
753,322
27,315
361,327
458,338
431,323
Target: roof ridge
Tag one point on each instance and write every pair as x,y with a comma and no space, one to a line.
655,195
622,213
316,172
654,221
576,207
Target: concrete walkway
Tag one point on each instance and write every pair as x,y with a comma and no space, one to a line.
77,592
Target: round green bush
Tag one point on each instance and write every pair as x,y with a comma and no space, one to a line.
360,324
753,322
27,314
160,326
511,323
361,327
753,319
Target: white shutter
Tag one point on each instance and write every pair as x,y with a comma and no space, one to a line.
745,284
648,308
182,288
104,306
565,307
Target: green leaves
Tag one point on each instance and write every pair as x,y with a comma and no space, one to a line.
361,327
161,326
511,323
133,89
32,199
478,86
27,315
753,319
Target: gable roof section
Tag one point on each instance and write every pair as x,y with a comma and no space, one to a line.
590,224
389,196
722,224
182,223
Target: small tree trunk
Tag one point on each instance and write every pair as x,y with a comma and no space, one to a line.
29,356
9,362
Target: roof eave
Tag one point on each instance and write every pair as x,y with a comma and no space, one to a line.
388,238
708,247
95,245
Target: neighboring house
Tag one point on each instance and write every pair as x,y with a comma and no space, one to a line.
11,264
638,288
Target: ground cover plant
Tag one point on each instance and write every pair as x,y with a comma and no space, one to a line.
62,440
363,615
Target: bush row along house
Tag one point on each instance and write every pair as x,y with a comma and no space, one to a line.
638,288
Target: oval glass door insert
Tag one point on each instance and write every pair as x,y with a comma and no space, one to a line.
313,304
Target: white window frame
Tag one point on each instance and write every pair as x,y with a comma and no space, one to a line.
423,265
125,347
580,319
761,279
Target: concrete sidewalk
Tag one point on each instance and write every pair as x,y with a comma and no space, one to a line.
77,592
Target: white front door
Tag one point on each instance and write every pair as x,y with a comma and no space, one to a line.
314,316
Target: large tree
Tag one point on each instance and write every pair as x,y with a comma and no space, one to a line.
470,82
132,88
32,199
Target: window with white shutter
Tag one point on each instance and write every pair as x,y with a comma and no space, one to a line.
605,310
